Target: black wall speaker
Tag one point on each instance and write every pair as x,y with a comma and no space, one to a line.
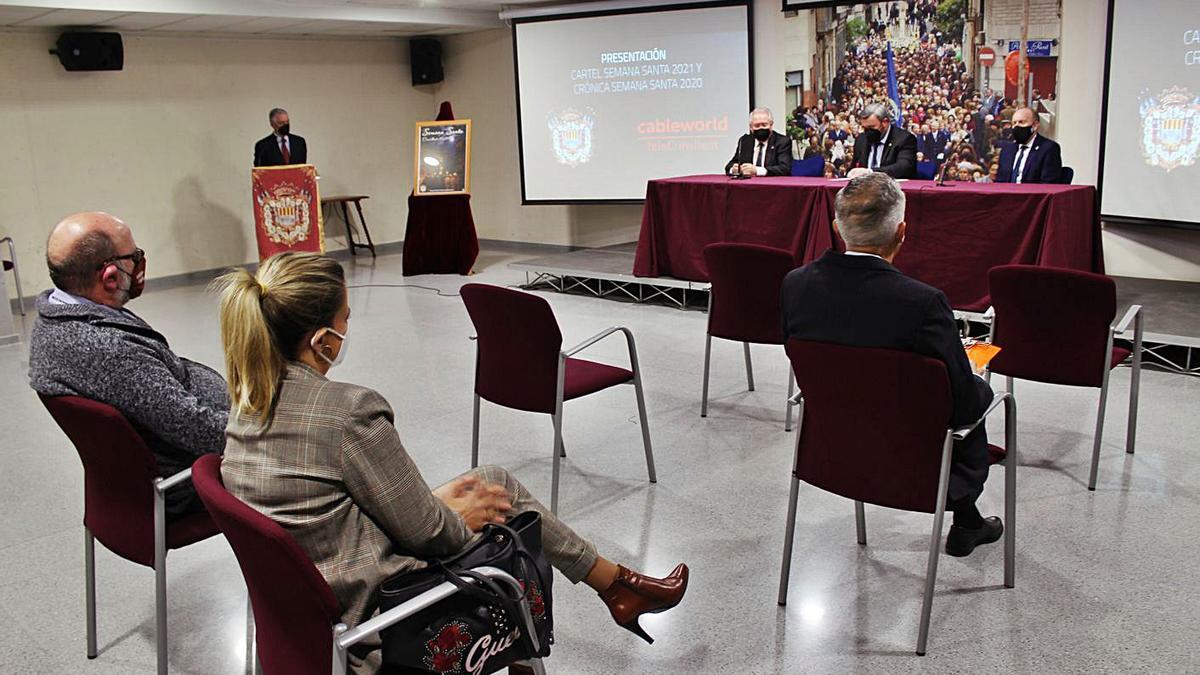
90,51
426,58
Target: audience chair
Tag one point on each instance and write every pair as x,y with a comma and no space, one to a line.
869,423
927,170
11,264
1056,326
124,502
743,304
520,364
811,167
296,614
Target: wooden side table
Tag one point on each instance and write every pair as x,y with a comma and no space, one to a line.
344,201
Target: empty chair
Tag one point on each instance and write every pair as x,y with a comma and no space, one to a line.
927,170
870,425
124,503
743,304
812,167
295,612
1067,175
520,363
1057,326
11,265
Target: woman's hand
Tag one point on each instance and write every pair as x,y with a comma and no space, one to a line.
476,502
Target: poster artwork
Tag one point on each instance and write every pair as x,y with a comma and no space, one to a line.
287,210
442,164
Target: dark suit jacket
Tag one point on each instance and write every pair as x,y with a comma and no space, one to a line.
778,161
899,158
862,301
1043,165
266,151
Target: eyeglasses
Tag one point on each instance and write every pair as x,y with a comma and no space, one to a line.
137,257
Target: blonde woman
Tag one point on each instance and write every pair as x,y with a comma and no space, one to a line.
323,459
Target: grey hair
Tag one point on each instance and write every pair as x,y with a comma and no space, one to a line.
762,111
275,111
76,271
877,109
869,210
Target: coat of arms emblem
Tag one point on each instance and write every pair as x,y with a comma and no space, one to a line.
571,136
1170,128
285,212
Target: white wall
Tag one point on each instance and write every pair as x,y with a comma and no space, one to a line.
166,144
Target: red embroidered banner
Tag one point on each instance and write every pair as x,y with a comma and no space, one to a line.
287,210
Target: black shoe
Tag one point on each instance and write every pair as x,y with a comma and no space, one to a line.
962,540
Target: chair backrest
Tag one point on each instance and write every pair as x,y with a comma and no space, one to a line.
118,475
874,423
294,608
927,170
812,167
518,342
746,279
1067,175
1051,324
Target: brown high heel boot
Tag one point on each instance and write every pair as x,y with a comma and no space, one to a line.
631,595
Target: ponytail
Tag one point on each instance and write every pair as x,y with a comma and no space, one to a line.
265,316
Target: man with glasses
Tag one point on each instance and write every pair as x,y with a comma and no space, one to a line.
86,343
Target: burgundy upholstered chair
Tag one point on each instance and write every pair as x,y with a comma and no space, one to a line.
1056,326
298,619
11,265
870,425
743,304
520,363
124,503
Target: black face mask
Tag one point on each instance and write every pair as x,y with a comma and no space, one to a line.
761,134
1022,134
874,136
284,130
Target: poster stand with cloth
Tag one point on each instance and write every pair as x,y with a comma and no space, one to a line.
287,209
440,235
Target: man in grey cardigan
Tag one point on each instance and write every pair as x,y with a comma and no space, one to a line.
85,343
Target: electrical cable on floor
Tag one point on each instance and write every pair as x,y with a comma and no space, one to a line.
424,288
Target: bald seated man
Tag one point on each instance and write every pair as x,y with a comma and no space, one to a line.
86,343
1030,157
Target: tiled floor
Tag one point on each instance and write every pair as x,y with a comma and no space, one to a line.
1106,581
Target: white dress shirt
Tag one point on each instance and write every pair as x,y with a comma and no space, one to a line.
1018,171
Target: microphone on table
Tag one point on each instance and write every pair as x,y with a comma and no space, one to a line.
941,181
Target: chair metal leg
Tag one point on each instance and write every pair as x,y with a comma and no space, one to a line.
557,460
1010,492
562,448
252,666
704,390
160,579
1008,384
749,367
935,540
787,415
475,434
89,581
536,666
789,537
1097,441
1134,382
16,270
641,403
860,523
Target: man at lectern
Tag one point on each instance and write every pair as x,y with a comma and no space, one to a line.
282,147
762,152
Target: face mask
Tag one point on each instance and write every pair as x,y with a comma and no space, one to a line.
761,134
137,279
284,130
1022,134
874,136
316,345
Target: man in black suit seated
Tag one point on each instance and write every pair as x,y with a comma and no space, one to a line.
883,146
1030,157
762,152
282,147
858,299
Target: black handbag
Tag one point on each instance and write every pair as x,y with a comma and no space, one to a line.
480,629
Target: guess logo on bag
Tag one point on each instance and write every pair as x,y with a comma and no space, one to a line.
485,648
446,648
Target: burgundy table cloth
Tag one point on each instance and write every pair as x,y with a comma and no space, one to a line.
440,235
956,232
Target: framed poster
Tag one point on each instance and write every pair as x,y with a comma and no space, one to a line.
442,162
287,210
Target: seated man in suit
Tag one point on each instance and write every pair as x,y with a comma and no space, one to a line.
762,152
883,146
282,147
858,299
1030,158
86,343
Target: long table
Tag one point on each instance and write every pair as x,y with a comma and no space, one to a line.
956,232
